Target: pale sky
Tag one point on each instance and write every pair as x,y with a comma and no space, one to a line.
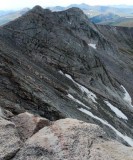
18,4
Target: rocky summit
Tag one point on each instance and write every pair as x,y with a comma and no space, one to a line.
66,88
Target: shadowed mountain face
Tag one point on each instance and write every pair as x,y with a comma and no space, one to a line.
58,64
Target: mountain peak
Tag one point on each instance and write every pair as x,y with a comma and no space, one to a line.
37,8
77,13
76,10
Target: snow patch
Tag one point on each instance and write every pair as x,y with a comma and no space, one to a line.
93,45
76,100
116,111
90,95
124,137
61,72
127,96
70,77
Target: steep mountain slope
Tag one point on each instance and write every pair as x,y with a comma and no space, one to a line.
54,64
120,61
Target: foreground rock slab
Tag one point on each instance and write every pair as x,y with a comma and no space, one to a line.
111,150
71,139
9,140
28,124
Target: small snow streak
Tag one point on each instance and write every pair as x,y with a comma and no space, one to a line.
76,100
116,111
93,45
124,137
61,72
89,94
127,96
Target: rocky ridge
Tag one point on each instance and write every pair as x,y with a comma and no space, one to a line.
73,76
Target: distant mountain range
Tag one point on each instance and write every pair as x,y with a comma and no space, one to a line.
119,15
7,16
105,18
112,19
4,12
92,11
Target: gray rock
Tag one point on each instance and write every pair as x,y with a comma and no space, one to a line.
9,140
5,113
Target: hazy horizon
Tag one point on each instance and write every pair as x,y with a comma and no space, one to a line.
15,4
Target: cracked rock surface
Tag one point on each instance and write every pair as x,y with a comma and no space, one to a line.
70,139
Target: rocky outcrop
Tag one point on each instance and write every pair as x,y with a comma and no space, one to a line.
9,140
28,124
70,139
